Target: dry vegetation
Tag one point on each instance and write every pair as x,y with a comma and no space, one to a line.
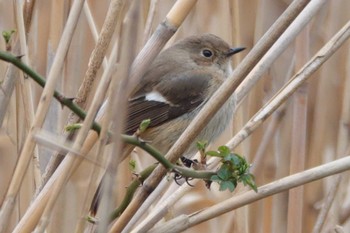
290,117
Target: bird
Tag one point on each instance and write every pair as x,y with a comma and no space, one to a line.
173,90
176,86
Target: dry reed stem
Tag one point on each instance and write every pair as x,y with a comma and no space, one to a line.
297,159
27,13
23,18
153,46
339,229
293,84
72,161
258,162
98,53
299,138
93,28
165,204
342,143
281,44
6,89
344,133
94,65
102,140
321,218
117,105
225,90
26,89
40,114
162,208
32,215
213,105
273,209
186,221
146,207
150,18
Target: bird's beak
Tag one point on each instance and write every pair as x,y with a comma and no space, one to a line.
234,51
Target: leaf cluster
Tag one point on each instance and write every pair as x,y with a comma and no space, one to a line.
234,169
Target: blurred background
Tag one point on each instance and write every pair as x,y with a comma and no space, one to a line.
325,99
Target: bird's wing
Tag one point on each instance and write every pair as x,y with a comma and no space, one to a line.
169,99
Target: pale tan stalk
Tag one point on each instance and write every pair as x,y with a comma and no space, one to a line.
117,106
23,19
95,62
35,210
326,205
295,82
72,161
103,138
66,168
40,115
149,22
299,137
153,46
291,86
342,144
281,44
183,222
145,207
98,53
213,105
93,28
27,93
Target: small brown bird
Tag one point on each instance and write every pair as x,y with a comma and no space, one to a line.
174,89
177,85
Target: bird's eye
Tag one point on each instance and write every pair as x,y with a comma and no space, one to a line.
207,53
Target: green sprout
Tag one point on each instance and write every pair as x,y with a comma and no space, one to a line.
144,125
7,35
234,169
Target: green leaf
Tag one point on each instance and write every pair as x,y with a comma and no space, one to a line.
234,169
249,179
215,178
227,185
224,151
224,173
144,125
233,158
213,153
72,127
132,165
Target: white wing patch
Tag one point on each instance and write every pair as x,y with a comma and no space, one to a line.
155,96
